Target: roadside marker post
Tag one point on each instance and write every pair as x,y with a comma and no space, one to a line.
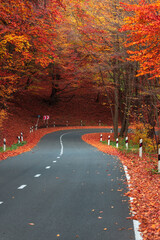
99,122
111,130
81,123
38,120
159,160
66,123
21,137
126,142
47,118
54,124
140,147
30,129
101,138
36,127
116,142
109,140
4,144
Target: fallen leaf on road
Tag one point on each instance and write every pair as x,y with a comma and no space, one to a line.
105,229
112,206
100,211
119,190
57,177
120,229
99,217
93,210
58,235
77,236
31,224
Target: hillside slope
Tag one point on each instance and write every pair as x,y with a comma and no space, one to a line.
26,106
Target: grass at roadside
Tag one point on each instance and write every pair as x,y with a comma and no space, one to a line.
13,147
122,145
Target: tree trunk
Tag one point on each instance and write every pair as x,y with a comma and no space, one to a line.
53,96
116,106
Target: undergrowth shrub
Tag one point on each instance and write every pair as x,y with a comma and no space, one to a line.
142,131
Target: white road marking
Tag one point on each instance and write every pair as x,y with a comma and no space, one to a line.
22,186
48,167
61,143
37,175
54,161
1,203
135,222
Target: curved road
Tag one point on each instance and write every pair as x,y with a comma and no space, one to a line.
64,189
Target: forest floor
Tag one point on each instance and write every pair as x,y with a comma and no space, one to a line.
26,106
23,114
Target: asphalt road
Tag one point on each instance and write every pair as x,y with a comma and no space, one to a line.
64,189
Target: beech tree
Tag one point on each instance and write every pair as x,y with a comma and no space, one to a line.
97,27
143,41
27,33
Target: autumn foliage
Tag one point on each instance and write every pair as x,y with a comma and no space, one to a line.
27,33
84,60
143,36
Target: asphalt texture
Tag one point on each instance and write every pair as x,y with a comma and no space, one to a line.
64,189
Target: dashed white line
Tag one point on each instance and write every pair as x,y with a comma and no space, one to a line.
48,167
58,157
37,175
54,161
21,187
1,203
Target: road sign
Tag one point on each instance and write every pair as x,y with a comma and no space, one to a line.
46,117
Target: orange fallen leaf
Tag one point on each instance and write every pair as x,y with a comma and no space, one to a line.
105,229
31,224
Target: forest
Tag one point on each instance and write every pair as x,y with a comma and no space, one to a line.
110,47
86,63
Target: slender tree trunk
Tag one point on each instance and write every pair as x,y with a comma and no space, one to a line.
116,107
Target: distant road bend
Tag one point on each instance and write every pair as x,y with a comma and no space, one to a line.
64,189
